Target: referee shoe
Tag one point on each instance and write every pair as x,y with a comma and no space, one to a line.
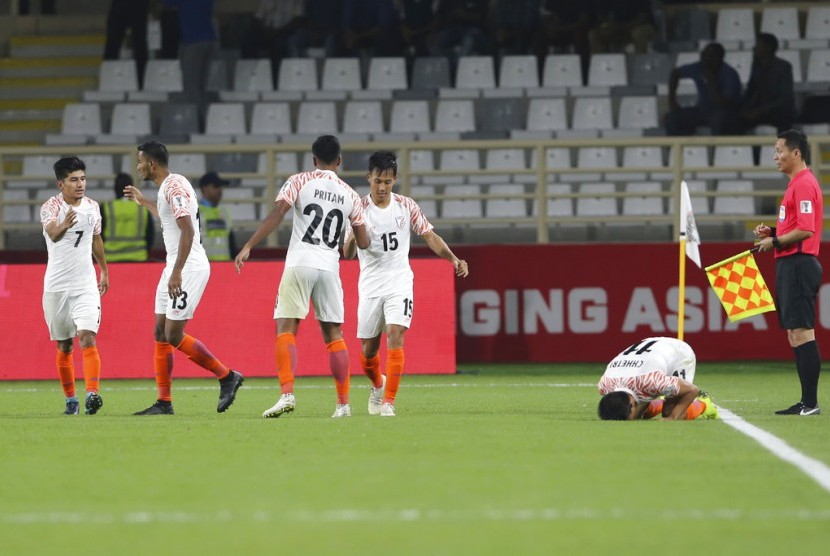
800,409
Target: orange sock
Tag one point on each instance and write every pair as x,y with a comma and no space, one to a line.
371,367
163,364
286,353
394,370
66,371
694,410
339,364
655,408
92,368
199,354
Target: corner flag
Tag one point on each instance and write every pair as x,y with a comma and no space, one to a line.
688,228
740,287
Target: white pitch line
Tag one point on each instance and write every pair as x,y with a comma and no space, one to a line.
815,469
354,515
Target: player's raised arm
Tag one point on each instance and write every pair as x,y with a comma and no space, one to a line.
56,230
133,193
271,223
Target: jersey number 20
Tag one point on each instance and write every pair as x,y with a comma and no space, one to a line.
331,240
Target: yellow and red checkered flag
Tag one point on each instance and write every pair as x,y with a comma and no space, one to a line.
740,286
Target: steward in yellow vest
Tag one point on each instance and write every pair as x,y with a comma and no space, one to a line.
215,223
127,228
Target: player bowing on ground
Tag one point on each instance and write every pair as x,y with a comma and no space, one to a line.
652,377
183,280
71,291
324,206
386,279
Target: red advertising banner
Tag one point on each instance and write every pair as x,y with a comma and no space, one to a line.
234,319
572,303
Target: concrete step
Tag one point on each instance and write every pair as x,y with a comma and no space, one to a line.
22,138
30,114
56,46
72,94
86,66
35,103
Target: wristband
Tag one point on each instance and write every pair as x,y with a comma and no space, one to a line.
777,243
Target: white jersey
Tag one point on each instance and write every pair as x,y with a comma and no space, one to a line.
650,368
70,265
384,265
324,206
177,199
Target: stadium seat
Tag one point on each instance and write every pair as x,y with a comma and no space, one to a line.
179,119
741,60
81,119
781,22
818,23
650,69
218,76
420,160
455,115
597,201
387,74
298,74
115,79
232,162
131,119
459,160
735,24
643,157
341,74
594,157
506,201
475,72
191,165
463,206
691,25
253,76
509,160
317,117
519,71
646,202
557,159
271,118
226,119
18,213
731,204
163,76
363,117
592,113
562,70
700,205
410,116
607,70
794,58
99,169
431,73
638,113
500,114
547,114
285,164
818,66
428,206
726,156
240,211
693,156
558,206
766,168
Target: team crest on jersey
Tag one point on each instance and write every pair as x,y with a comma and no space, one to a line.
400,221
90,220
179,200
806,207
44,213
782,213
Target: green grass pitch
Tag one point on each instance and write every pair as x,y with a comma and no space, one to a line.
494,460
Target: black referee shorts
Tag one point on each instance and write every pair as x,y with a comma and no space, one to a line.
797,280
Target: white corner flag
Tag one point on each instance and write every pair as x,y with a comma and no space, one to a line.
688,228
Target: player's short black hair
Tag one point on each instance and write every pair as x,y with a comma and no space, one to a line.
326,149
155,151
795,139
67,165
383,161
614,406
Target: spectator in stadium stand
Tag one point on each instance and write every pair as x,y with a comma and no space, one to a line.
182,282
769,98
385,287
132,15
312,267
620,24
322,28
796,241
517,24
71,290
653,377
565,27
371,26
273,31
718,95
463,29
199,45
128,229
418,25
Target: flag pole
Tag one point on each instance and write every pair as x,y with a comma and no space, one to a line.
681,288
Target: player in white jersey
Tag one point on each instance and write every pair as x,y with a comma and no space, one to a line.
71,290
183,280
324,206
653,377
386,279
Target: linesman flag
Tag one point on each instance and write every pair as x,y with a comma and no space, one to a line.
740,286
688,228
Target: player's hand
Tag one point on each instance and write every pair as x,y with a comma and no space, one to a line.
133,193
461,269
761,231
240,259
174,285
70,219
103,283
